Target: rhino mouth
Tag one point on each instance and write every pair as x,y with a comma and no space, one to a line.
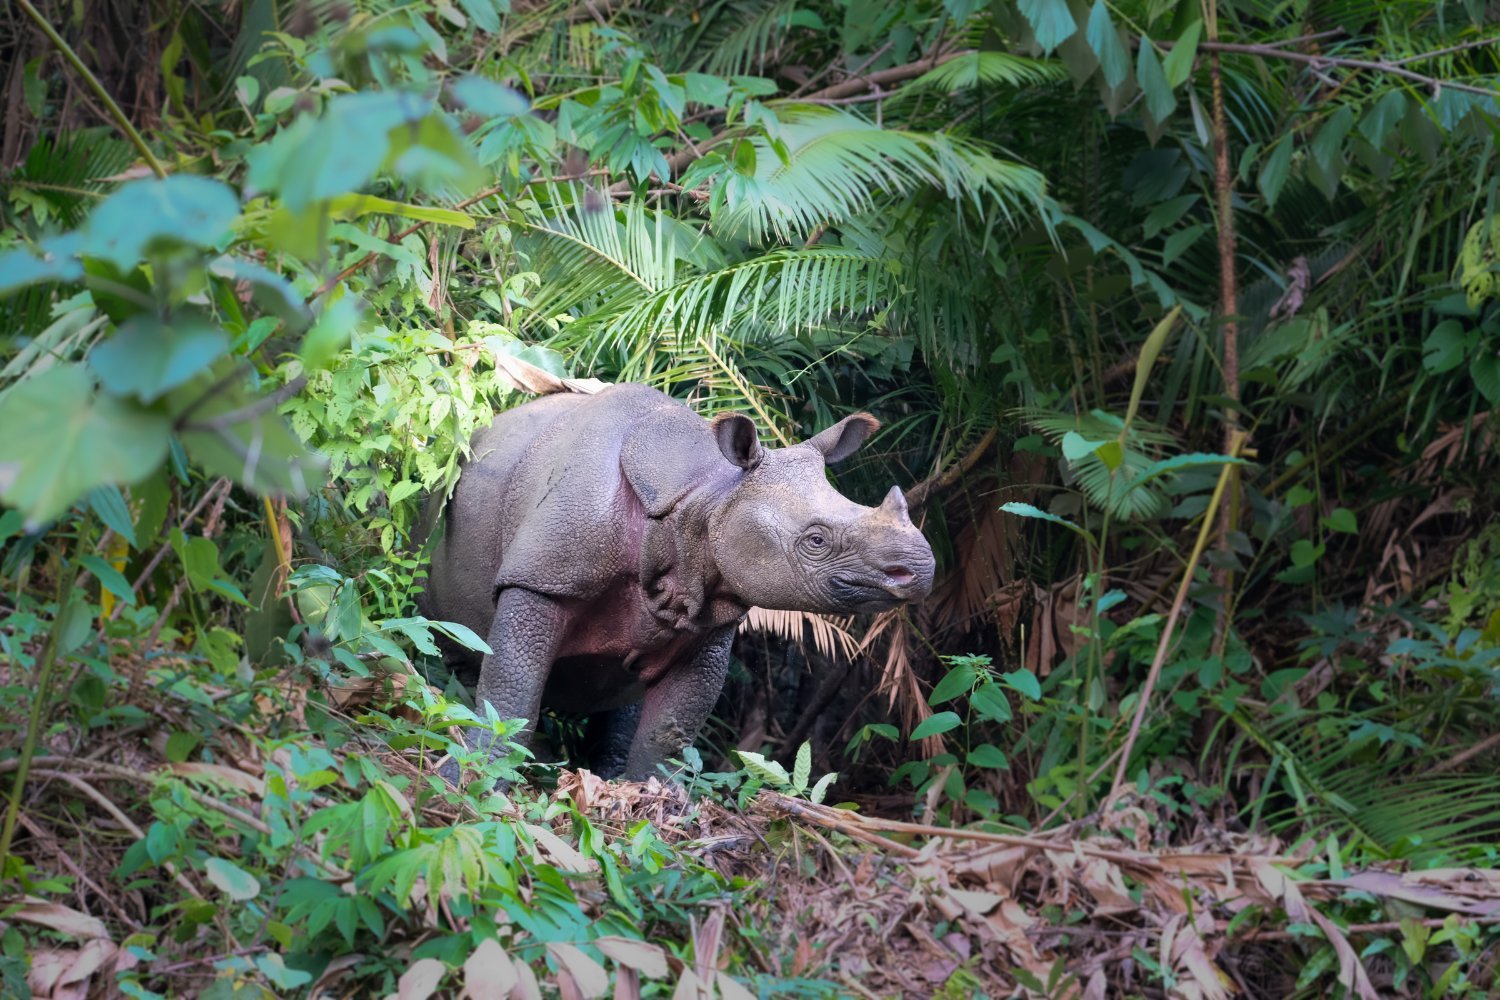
877,591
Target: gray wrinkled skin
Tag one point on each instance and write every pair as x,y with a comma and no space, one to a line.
607,546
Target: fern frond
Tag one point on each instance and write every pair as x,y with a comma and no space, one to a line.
972,69
826,166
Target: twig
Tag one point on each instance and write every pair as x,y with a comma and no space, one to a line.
1463,756
1144,698
1342,62
919,494
104,802
98,88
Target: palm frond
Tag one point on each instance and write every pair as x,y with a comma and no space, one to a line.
1105,487
737,38
829,636
973,69
825,166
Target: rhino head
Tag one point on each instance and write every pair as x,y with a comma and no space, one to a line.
785,539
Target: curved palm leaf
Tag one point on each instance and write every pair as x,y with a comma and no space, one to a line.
824,166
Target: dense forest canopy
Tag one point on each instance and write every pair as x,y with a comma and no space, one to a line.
1181,318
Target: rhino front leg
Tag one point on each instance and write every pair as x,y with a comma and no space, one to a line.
524,637
677,706
609,736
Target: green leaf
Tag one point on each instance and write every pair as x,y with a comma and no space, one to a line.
1178,65
1176,462
1104,39
145,358
180,744
1051,21
330,334
802,767
955,682
109,504
464,636
1485,370
1075,446
488,98
233,880
351,206
820,790
1445,347
991,703
1112,454
1179,242
145,215
1305,553
764,770
988,755
1273,174
1023,682
55,259
1342,519
1027,510
230,434
1160,101
109,578
935,725
200,558
62,439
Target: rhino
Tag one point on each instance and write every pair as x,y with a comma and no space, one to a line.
607,546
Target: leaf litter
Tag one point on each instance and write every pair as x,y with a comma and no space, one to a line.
870,906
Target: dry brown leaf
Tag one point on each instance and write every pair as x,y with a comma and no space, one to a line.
54,916
690,987
560,853
1459,890
730,988
489,973
644,957
1351,972
1105,883
523,376
526,988
627,984
218,774
421,980
589,976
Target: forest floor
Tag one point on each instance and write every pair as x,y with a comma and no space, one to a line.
872,907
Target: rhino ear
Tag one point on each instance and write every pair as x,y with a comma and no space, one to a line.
844,438
738,439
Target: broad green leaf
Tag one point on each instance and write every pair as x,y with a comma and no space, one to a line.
1178,65
988,755
935,725
955,682
1051,21
1179,242
1485,370
464,636
820,790
232,434
142,215
55,259
991,703
1160,101
1104,39
802,768
268,290
1024,682
1111,453
1075,446
180,744
484,13
1305,553
62,439
109,504
1342,519
1273,174
1167,213
110,578
488,98
764,770
233,880
330,333
1445,347
146,358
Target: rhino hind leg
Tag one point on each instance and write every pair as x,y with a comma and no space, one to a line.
677,706
608,737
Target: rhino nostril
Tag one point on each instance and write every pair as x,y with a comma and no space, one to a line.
899,575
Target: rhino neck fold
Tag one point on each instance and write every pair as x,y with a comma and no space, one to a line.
679,580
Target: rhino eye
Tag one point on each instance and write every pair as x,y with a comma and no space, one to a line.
815,542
